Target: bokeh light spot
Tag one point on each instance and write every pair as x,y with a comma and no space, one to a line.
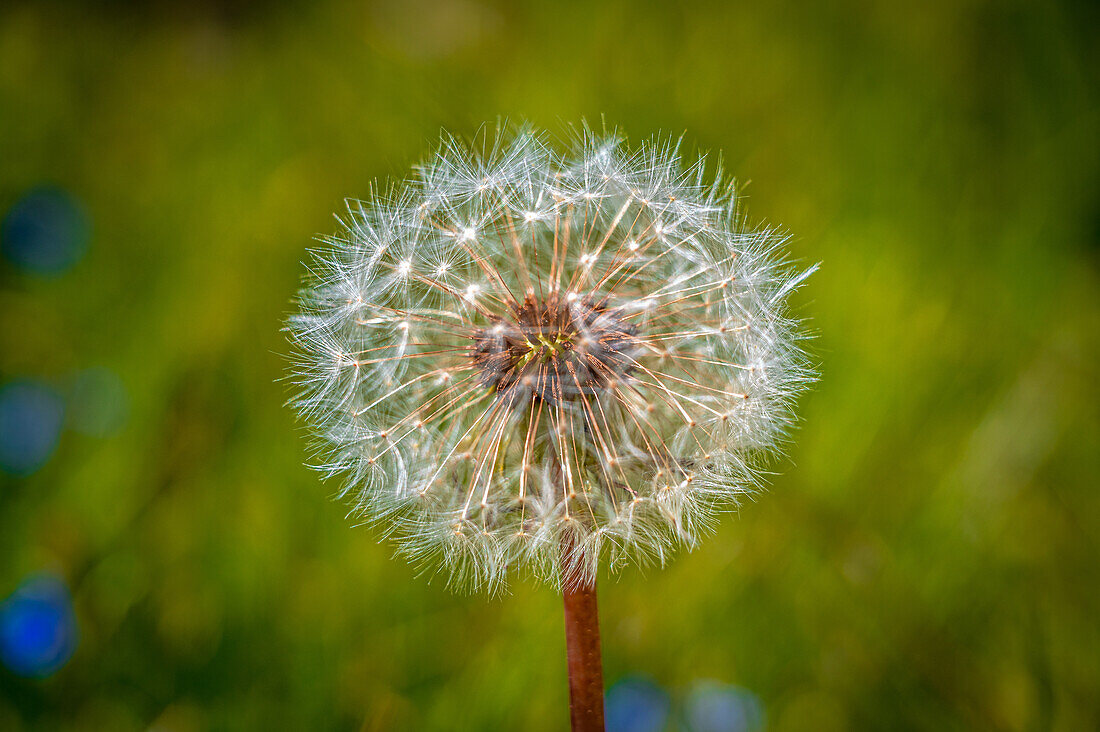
45,231
98,403
712,706
31,415
38,632
636,704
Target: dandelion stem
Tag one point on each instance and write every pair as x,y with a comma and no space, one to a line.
582,649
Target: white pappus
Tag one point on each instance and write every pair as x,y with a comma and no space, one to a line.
520,358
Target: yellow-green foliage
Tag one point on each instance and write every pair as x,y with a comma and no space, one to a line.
926,558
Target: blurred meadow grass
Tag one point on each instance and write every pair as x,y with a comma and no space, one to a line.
925,559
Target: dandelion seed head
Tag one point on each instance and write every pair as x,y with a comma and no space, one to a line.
527,359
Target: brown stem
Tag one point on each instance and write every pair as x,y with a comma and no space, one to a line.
582,649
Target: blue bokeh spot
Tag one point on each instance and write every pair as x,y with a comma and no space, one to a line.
45,231
636,704
712,706
38,632
31,417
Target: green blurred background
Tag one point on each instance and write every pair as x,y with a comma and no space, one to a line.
927,558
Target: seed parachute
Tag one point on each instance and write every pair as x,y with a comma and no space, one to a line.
526,359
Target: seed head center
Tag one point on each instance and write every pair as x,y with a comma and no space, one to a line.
555,349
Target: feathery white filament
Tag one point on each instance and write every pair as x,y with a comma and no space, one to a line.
517,351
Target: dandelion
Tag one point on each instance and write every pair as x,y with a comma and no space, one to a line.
520,359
